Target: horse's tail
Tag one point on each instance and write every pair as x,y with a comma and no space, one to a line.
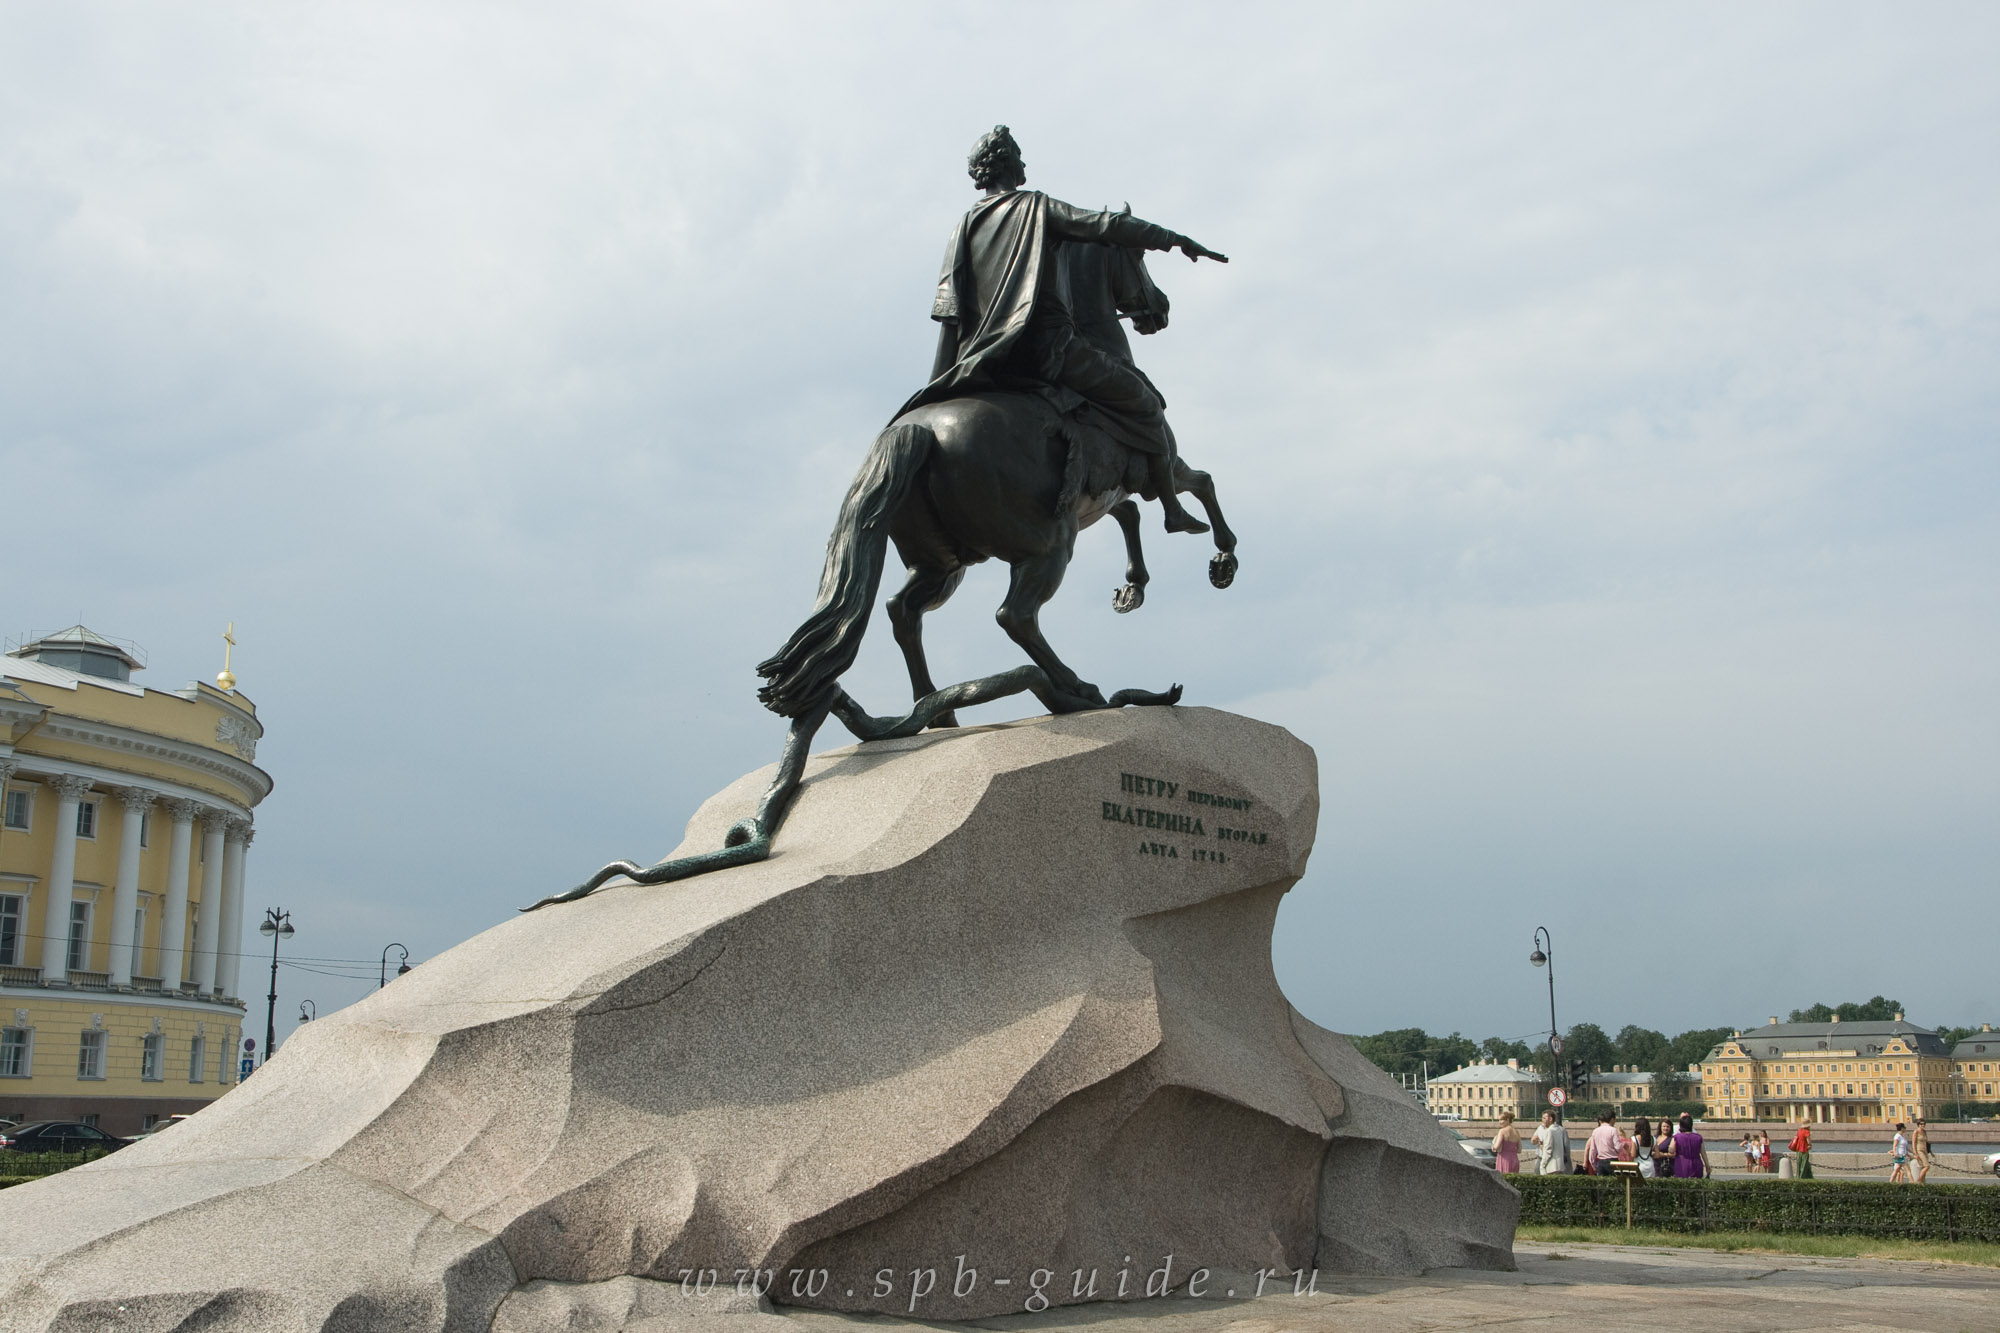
822,649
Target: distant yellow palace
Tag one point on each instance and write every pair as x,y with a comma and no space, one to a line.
123,835
1830,1073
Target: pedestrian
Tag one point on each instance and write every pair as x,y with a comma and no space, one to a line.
1507,1146
1642,1146
1899,1156
1690,1162
1603,1148
1802,1152
1920,1144
1553,1140
1764,1152
1749,1151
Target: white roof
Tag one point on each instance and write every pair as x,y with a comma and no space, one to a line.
41,673
1488,1074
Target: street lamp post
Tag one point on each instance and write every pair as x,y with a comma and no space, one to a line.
278,925
1958,1092
1545,956
401,968
308,1011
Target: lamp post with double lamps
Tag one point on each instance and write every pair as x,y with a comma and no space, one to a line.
278,925
401,968
1545,956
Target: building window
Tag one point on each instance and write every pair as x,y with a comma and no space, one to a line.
148,1121
86,819
90,1119
198,1060
20,803
17,1049
90,1055
79,936
145,828
152,1058
11,911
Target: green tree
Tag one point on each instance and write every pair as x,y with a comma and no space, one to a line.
1501,1050
1587,1042
1693,1046
1410,1050
1641,1046
1875,1010
1397,1051
1953,1036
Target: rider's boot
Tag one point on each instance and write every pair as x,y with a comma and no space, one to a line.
1161,469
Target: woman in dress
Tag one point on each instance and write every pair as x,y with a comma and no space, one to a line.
1642,1146
1690,1162
1507,1146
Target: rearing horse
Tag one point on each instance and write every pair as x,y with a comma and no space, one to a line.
988,476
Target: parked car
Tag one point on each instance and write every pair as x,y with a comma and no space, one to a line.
58,1136
1993,1162
1480,1153
157,1126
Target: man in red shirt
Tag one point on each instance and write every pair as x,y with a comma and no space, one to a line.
1802,1152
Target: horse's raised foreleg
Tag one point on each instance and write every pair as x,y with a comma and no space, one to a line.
1221,569
925,590
1032,583
1133,595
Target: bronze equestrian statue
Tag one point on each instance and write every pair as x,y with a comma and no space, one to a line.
1035,424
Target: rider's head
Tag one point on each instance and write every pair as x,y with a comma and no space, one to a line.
996,161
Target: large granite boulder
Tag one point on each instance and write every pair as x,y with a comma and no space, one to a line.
996,1018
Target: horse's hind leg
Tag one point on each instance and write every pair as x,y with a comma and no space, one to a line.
1222,568
925,590
1133,595
1033,582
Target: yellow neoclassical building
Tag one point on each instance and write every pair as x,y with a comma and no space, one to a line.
124,829
1834,1073
1975,1067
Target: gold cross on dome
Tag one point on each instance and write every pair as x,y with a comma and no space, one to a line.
227,678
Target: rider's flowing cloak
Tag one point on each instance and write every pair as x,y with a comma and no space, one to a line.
993,272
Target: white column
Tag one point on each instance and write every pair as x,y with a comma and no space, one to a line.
173,921
229,966
205,928
125,896
69,791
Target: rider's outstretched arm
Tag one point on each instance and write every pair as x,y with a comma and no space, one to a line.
1076,224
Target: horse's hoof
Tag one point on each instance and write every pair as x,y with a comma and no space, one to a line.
1128,598
1222,569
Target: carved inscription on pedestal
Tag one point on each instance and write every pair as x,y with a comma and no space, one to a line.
1192,818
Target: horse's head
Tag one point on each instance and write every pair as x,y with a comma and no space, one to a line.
1135,293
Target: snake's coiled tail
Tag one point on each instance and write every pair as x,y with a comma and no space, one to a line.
804,671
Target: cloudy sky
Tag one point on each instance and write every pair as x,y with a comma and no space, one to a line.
1605,396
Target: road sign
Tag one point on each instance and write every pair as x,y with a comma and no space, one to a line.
1556,1044
249,1043
244,1066
1557,1097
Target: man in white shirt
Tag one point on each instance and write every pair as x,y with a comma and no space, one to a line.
1553,1140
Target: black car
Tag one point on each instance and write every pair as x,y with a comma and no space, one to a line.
58,1136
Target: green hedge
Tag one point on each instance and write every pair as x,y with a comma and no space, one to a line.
1821,1207
19,1165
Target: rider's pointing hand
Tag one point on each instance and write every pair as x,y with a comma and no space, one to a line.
1194,250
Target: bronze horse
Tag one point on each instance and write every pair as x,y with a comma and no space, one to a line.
989,476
